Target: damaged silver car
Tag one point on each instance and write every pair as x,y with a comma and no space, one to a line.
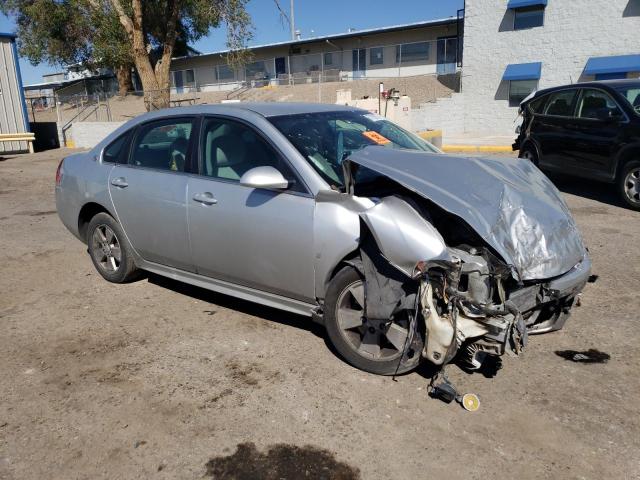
404,254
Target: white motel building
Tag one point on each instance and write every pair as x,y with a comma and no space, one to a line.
500,50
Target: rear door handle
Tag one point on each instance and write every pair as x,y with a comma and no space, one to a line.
205,198
119,182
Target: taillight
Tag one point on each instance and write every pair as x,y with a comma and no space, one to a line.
59,173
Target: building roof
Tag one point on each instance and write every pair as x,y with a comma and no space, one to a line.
11,36
337,36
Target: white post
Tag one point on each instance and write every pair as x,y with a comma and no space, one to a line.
292,22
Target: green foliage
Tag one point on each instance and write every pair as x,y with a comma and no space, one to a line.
89,31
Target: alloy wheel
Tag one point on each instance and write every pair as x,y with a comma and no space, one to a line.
372,339
632,186
106,248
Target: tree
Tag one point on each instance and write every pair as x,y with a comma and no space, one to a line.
154,24
70,32
122,33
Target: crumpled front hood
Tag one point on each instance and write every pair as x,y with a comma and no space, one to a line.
508,202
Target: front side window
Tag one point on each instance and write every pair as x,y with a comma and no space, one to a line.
376,56
561,104
230,149
326,139
537,105
595,104
632,95
412,52
162,145
116,151
328,59
528,18
520,89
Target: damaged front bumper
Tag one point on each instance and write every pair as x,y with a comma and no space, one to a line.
470,311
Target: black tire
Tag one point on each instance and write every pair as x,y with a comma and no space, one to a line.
340,284
528,152
629,184
104,249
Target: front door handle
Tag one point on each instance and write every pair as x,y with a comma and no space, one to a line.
119,182
205,198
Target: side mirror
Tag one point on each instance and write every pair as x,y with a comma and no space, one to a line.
264,177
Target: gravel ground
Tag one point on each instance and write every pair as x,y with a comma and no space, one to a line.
161,380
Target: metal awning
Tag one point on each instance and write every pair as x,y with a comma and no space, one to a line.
513,4
523,71
617,64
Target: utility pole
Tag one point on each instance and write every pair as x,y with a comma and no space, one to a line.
292,22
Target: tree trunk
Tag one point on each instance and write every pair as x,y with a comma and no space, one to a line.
125,81
156,94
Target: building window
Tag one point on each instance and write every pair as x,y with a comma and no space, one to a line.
328,59
256,71
519,90
412,52
376,56
190,78
224,72
529,17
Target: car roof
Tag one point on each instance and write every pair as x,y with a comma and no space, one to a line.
266,109
612,84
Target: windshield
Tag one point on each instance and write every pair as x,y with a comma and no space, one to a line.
325,139
632,95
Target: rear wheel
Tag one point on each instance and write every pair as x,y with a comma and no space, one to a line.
629,184
109,250
375,346
529,153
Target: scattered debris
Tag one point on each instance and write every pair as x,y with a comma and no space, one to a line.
139,443
440,387
588,356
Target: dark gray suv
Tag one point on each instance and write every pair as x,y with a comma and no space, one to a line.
589,130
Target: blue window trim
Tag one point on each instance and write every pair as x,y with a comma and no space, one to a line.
612,64
514,4
523,71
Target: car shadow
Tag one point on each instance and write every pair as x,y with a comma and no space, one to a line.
244,306
591,189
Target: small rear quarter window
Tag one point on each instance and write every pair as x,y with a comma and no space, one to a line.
116,151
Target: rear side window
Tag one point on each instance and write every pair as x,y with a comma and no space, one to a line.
561,104
116,151
163,145
595,102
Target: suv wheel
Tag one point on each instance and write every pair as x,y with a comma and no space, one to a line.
629,184
529,153
372,346
109,250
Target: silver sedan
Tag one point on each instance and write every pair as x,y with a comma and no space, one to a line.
404,254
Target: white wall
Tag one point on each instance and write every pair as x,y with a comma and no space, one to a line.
573,31
89,134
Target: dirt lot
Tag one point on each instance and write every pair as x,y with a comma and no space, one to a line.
160,380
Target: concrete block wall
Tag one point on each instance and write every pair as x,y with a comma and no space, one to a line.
89,134
573,31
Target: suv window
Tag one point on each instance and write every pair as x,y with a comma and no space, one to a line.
593,101
163,145
116,151
537,105
229,149
561,103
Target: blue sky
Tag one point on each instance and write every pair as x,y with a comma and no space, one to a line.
320,16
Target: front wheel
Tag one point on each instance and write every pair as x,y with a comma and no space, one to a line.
629,184
109,250
373,346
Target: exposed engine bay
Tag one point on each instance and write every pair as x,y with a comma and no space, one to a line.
473,282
